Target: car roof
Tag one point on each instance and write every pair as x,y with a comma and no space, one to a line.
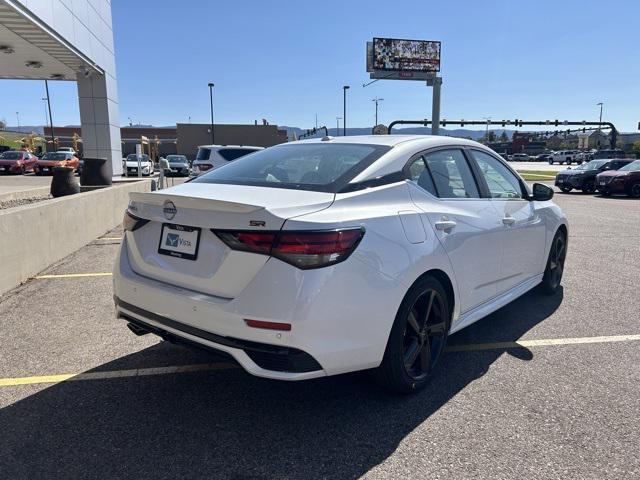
390,140
402,148
230,146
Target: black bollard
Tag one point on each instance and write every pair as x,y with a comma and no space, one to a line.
95,172
63,182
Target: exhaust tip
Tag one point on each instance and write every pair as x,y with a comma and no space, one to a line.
139,331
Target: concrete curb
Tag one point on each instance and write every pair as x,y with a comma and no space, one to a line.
36,236
27,193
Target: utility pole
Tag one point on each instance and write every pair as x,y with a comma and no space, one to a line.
18,117
344,110
53,141
213,138
338,126
376,100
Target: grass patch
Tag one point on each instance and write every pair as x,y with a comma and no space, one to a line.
545,173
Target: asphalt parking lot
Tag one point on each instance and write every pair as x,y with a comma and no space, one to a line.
564,402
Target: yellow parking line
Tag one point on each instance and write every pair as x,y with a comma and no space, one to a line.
542,343
204,367
74,275
137,372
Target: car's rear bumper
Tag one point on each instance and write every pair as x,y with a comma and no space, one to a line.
340,316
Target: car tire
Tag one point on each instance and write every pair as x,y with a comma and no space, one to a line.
589,188
566,189
555,264
550,162
417,339
605,193
634,190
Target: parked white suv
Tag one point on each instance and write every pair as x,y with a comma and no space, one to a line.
563,156
214,156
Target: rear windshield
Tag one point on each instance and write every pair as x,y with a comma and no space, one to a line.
322,167
177,158
203,153
54,156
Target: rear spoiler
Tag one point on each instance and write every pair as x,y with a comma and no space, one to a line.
198,203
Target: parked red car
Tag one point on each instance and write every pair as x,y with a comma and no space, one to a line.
13,161
625,180
45,165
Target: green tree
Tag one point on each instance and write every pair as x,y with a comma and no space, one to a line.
636,148
504,137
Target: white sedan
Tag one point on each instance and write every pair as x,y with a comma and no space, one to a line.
331,255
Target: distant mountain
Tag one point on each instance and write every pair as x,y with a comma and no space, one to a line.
39,129
458,132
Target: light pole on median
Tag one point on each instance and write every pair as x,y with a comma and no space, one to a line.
213,138
600,104
344,110
376,100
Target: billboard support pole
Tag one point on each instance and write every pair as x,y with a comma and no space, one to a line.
435,107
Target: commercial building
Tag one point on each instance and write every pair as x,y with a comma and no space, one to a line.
64,40
183,139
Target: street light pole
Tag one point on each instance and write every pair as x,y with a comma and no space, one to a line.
338,126
18,117
213,138
486,132
376,100
344,110
53,142
601,104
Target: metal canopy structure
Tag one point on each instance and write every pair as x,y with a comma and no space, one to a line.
35,51
518,123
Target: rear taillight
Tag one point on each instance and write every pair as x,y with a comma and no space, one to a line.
306,249
254,242
130,222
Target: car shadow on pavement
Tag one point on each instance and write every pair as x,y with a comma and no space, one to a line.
228,424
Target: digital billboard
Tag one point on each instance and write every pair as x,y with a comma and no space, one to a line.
394,54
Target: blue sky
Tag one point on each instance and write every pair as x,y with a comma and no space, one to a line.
287,61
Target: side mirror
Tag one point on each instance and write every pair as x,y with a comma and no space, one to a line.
541,192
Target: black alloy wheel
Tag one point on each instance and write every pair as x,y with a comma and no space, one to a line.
418,338
555,264
634,191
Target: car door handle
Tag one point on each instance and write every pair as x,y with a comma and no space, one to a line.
445,225
508,221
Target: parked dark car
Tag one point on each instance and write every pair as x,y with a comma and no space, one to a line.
179,166
583,177
14,161
625,180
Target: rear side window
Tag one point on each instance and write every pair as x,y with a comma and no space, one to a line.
502,183
323,167
445,174
232,153
203,153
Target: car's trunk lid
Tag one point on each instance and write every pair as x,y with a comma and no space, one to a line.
216,270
